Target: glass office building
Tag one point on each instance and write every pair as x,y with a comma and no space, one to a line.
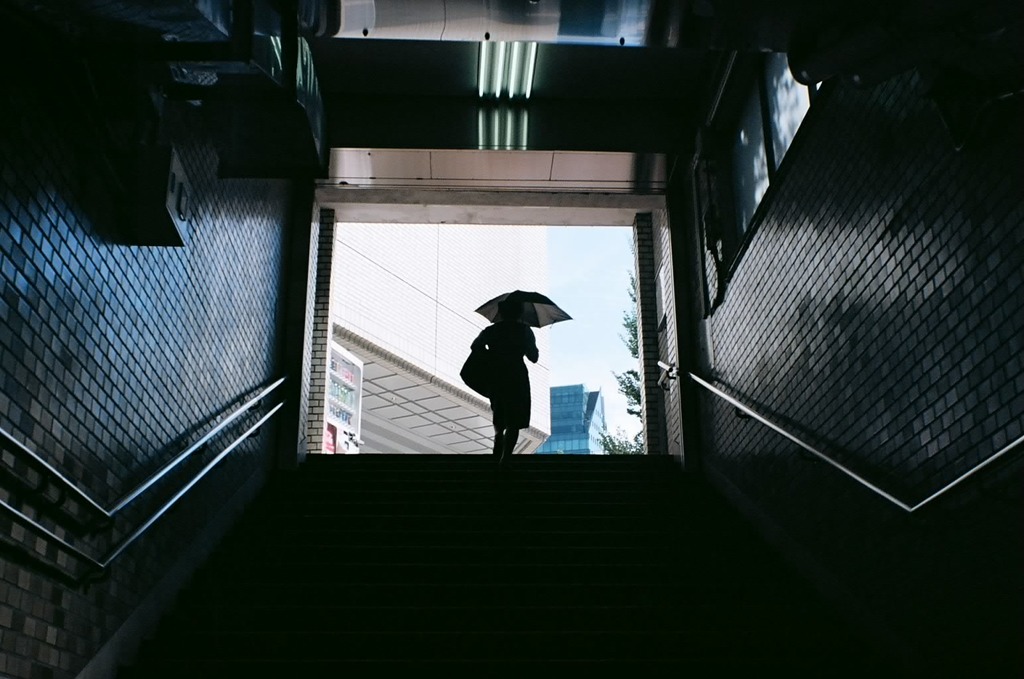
577,422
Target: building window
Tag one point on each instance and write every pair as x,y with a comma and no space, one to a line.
771,114
788,102
741,150
749,160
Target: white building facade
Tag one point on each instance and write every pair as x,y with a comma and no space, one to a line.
402,301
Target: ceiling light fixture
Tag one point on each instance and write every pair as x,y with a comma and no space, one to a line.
498,83
506,68
483,70
503,128
531,66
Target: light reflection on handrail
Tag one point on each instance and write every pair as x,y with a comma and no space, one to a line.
45,532
148,483
101,565
132,495
63,480
864,482
124,544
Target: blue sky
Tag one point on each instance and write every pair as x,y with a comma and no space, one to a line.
589,271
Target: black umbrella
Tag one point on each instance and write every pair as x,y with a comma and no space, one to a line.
538,310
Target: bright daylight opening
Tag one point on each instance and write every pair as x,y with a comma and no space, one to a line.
403,316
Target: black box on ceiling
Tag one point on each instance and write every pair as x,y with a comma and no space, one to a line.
158,203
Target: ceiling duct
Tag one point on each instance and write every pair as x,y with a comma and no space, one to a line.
585,22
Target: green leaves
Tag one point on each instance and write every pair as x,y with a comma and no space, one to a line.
619,443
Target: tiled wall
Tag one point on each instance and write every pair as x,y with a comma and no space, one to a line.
652,398
112,355
668,343
879,311
311,421
321,332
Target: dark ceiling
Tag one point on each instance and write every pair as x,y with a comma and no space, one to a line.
405,93
413,68
650,99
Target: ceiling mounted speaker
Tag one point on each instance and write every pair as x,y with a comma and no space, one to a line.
841,56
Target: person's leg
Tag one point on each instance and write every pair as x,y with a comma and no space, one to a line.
498,420
510,438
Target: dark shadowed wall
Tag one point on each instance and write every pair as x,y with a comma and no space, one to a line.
114,357
878,311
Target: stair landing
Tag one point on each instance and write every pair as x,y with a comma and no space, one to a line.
446,563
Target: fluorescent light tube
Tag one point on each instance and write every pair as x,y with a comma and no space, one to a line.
483,68
501,68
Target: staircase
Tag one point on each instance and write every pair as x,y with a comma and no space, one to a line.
445,562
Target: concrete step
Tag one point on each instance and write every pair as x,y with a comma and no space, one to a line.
480,496
695,617
392,521
314,571
446,564
627,589
566,645
808,667
301,535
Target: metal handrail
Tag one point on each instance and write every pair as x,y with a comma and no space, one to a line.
45,532
100,565
852,474
138,532
159,474
64,482
135,493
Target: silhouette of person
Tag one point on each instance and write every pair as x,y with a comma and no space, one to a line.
507,342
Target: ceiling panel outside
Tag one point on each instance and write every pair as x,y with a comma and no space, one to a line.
414,407
395,382
603,167
410,421
437,403
470,447
432,430
391,412
450,438
372,371
415,393
380,163
373,401
491,165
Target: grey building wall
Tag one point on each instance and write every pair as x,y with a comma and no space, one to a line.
320,337
114,357
652,399
657,327
307,412
877,310
668,342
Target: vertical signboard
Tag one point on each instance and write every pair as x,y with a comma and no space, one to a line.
343,416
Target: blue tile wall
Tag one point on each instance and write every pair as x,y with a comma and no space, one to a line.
879,312
110,354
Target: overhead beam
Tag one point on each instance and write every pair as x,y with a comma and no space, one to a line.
541,208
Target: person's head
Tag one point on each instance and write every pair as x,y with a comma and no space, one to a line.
510,310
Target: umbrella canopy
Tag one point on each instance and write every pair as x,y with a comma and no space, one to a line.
538,310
